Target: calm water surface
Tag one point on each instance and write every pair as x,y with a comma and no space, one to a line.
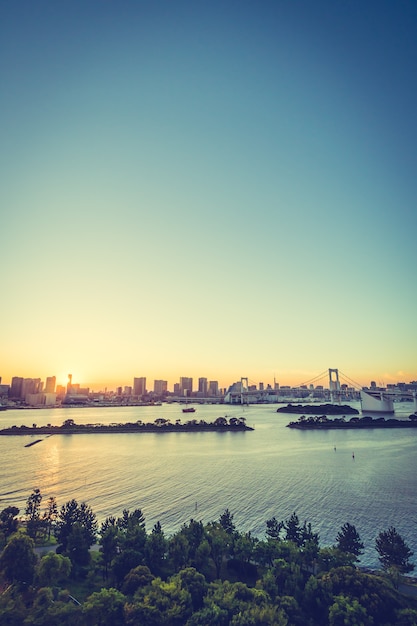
172,477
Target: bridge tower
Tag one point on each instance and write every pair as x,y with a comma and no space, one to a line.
334,383
244,388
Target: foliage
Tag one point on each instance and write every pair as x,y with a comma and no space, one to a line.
53,569
17,561
394,554
226,522
9,521
203,575
348,540
105,608
32,512
72,513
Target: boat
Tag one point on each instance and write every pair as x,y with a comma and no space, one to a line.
189,409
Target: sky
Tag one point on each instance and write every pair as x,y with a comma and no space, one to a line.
221,189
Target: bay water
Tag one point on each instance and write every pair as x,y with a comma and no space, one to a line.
173,477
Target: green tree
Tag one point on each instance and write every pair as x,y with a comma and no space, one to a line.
293,530
372,592
394,554
50,515
266,551
220,542
9,522
78,546
18,560
195,583
13,609
52,569
226,522
33,515
138,577
156,548
109,545
195,534
347,611
243,551
348,540
105,608
179,550
159,604
73,513
328,558
124,562
274,528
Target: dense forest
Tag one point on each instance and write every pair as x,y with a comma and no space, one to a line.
59,567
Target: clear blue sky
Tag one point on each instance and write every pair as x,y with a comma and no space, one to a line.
217,189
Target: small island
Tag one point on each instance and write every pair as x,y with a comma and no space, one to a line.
321,422
160,425
322,409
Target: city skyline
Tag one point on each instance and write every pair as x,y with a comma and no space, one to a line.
223,189
144,384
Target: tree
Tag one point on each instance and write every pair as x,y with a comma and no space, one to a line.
32,512
195,583
105,608
347,611
18,560
178,550
156,548
394,554
8,522
71,513
273,528
50,515
109,544
219,541
226,521
52,569
160,603
293,529
138,577
132,533
348,540
78,545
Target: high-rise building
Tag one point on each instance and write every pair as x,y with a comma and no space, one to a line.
202,386
139,386
31,386
50,384
214,388
186,386
160,387
16,387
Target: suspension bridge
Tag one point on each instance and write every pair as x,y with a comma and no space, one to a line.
340,388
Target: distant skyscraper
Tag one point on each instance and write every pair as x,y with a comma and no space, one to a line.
139,386
16,387
160,387
50,384
186,386
214,388
202,386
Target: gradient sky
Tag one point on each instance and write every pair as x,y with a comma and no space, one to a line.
219,189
